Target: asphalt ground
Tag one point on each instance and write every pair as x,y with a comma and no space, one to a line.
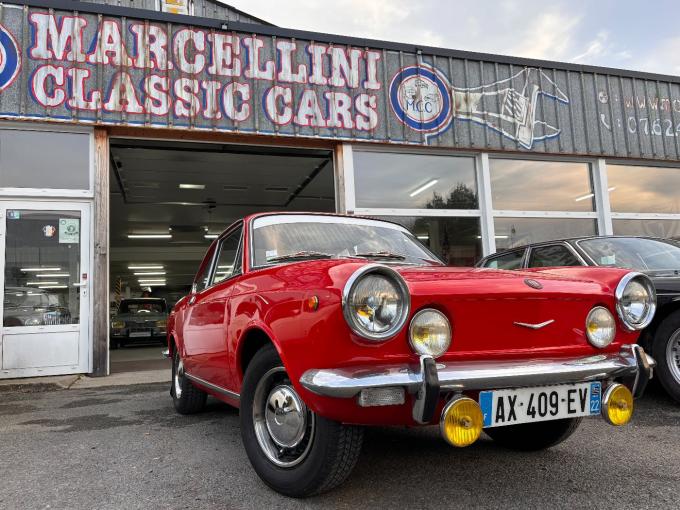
125,448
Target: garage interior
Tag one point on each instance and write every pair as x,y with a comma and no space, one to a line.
170,200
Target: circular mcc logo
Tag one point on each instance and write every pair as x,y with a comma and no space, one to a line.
421,98
10,61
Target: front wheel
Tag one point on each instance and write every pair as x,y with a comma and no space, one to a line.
293,450
666,352
186,397
534,436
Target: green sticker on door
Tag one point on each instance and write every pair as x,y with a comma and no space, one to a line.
69,231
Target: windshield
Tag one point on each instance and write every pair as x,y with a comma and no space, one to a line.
291,237
142,307
633,253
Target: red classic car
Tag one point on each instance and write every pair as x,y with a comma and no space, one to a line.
315,325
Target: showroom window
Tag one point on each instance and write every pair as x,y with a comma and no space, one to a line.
61,167
435,196
644,200
534,201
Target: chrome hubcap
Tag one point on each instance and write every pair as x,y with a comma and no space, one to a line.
179,375
284,427
673,355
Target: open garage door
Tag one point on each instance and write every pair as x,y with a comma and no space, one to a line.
169,200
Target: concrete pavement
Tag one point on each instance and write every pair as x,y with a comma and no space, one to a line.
125,447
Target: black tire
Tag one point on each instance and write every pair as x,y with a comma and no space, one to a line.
534,436
330,457
667,332
190,399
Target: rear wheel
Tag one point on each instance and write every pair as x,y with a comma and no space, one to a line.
534,436
186,398
666,352
293,450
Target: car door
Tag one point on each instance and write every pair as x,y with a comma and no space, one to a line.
553,255
205,325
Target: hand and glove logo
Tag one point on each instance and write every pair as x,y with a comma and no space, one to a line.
423,99
10,61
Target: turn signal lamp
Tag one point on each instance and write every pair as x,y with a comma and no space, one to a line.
461,422
118,324
617,405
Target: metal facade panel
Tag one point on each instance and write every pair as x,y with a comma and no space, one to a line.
91,68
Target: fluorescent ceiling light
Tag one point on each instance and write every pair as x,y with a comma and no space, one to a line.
225,267
53,287
149,236
151,273
584,197
151,280
53,275
145,267
423,238
192,186
153,285
38,269
428,184
43,283
496,237
611,189
211,236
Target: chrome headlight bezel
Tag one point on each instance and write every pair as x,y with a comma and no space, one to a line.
620,292
395,277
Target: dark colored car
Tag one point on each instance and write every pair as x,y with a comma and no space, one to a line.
28,306
139,319
657,258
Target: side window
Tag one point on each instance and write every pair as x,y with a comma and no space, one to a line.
553,255
203,275
512,260
227,262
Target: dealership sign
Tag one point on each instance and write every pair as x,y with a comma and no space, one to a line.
87,68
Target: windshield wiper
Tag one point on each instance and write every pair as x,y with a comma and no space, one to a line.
380,255
300,255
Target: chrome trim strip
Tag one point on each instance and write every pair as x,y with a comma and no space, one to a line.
534,326
214,387
476,375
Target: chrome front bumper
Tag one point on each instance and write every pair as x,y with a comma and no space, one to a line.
631,365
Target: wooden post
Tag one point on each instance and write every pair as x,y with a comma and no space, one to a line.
100,267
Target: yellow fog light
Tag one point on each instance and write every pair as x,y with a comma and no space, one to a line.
617,404
461,422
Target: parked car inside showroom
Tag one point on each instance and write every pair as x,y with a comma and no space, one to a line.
139,320
316,325
29,306
659,259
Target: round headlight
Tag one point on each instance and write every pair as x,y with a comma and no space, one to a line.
430,333
635,301
600,327
376,302
32,321
118,324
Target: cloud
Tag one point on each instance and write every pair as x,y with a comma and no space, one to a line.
664,58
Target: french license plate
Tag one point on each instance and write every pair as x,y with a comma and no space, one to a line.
525,405
139,334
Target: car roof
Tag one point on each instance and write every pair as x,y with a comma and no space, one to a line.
571,240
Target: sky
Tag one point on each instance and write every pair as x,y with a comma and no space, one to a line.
628,34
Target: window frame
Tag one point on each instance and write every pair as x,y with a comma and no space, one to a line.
490,258
237,256
55,192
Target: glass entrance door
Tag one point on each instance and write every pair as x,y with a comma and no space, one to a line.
44,249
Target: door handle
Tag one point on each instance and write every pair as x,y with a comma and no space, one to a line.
192,299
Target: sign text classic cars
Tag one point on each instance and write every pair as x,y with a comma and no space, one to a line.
193,73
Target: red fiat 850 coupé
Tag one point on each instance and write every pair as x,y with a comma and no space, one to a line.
315,325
